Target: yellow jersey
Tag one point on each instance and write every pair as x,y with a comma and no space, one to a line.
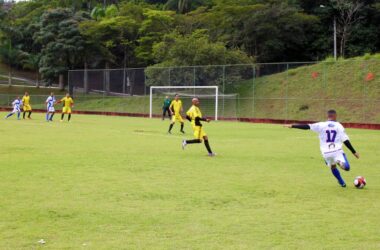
67,101
193,113
26,100
176,106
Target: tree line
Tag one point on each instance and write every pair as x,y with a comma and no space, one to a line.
53,36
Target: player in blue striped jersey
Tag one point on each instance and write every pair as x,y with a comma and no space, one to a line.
50,110
16,108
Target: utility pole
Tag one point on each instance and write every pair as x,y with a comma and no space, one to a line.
335,39
335,48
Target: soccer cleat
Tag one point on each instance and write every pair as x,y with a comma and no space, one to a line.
212,154
343,185
184,143
183,132
169,132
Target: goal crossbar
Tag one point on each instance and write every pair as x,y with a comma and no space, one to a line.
216,88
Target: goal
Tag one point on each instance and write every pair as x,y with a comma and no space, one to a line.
213,103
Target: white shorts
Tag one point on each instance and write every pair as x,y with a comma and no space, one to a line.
332,158
50,109
16,110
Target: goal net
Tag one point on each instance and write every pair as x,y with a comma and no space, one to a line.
213,103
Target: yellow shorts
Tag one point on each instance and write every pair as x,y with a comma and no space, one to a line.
199,132
66,110
177,118
27,107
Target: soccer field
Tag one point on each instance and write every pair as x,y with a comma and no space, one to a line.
123,183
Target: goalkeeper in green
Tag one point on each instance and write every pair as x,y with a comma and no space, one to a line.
166,108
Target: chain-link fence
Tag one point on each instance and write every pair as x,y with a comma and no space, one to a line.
285,91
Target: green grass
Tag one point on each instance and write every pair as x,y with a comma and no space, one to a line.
123,183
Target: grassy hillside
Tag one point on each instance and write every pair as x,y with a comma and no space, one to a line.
298,93
307,92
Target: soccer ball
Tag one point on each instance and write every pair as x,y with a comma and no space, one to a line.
360,182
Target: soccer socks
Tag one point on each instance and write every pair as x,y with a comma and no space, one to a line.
182,127
62,116
23,115
208,147
51,117
337,175
193,141
18,115
68,119
170,127
30,113
47,116
9,115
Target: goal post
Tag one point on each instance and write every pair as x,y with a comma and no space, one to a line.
214,89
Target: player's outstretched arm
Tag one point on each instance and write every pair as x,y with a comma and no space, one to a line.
298,126
351,148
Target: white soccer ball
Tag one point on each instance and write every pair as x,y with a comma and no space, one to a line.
360,182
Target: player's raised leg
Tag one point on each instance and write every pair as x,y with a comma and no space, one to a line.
342,162
9,115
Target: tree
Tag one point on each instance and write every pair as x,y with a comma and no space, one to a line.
155,25
11,55
62,43
32,62
178,50
348,14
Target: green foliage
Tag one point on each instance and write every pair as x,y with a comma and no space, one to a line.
63,45
11,55
194,49
139,33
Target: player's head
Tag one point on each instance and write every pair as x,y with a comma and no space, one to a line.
67,94
17,97
176,97
26,93
51,93
195,101
331,115
166,97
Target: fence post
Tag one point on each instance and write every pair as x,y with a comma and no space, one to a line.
253,89
124,76
224,87
286,92
85,79
170,76
194,79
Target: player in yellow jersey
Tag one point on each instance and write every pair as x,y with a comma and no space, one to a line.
26,105
176,109
194,115
68,103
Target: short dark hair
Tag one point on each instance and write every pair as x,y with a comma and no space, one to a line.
331,112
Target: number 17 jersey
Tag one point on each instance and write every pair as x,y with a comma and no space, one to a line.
331,135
